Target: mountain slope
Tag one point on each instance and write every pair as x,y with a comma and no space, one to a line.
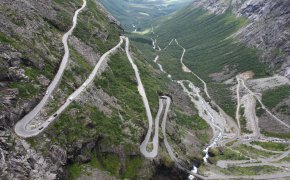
223,39
135,15
268,28
101,131
229,51
31,51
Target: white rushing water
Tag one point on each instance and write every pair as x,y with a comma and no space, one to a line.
211,119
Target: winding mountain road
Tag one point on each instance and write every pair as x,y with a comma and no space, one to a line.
143,147
209,117
218,130
20,127
22,130
238,103
166,143
186,69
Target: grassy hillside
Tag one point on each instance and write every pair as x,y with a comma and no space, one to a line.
104,126
207,38
211,50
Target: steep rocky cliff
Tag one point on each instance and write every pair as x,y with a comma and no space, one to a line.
268,27
101,131
30,54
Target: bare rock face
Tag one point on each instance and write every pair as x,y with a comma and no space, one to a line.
43,80
214,6
96,173
19,161
110,17
30,48
268,28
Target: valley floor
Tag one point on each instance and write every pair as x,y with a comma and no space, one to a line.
246,134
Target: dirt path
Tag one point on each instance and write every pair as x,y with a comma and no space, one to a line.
263,106
249,104
239,103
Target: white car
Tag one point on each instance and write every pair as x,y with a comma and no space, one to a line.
50,119
70,98
191,177
85,85
46,93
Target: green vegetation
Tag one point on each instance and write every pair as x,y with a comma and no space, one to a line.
284,109
4,38
271,146
191,122
111,163
250,171
209,50
76,125
259,110
31,73
286,159
277,135
273,97
133,164
228,154
75,2
75,170
170,60
106,162
81,66
243,121
251,152
64,17
145,45
120,82
26,90
204,137
95,30
222,96
206,38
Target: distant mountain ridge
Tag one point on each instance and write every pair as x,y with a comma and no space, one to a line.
135,15
268,27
